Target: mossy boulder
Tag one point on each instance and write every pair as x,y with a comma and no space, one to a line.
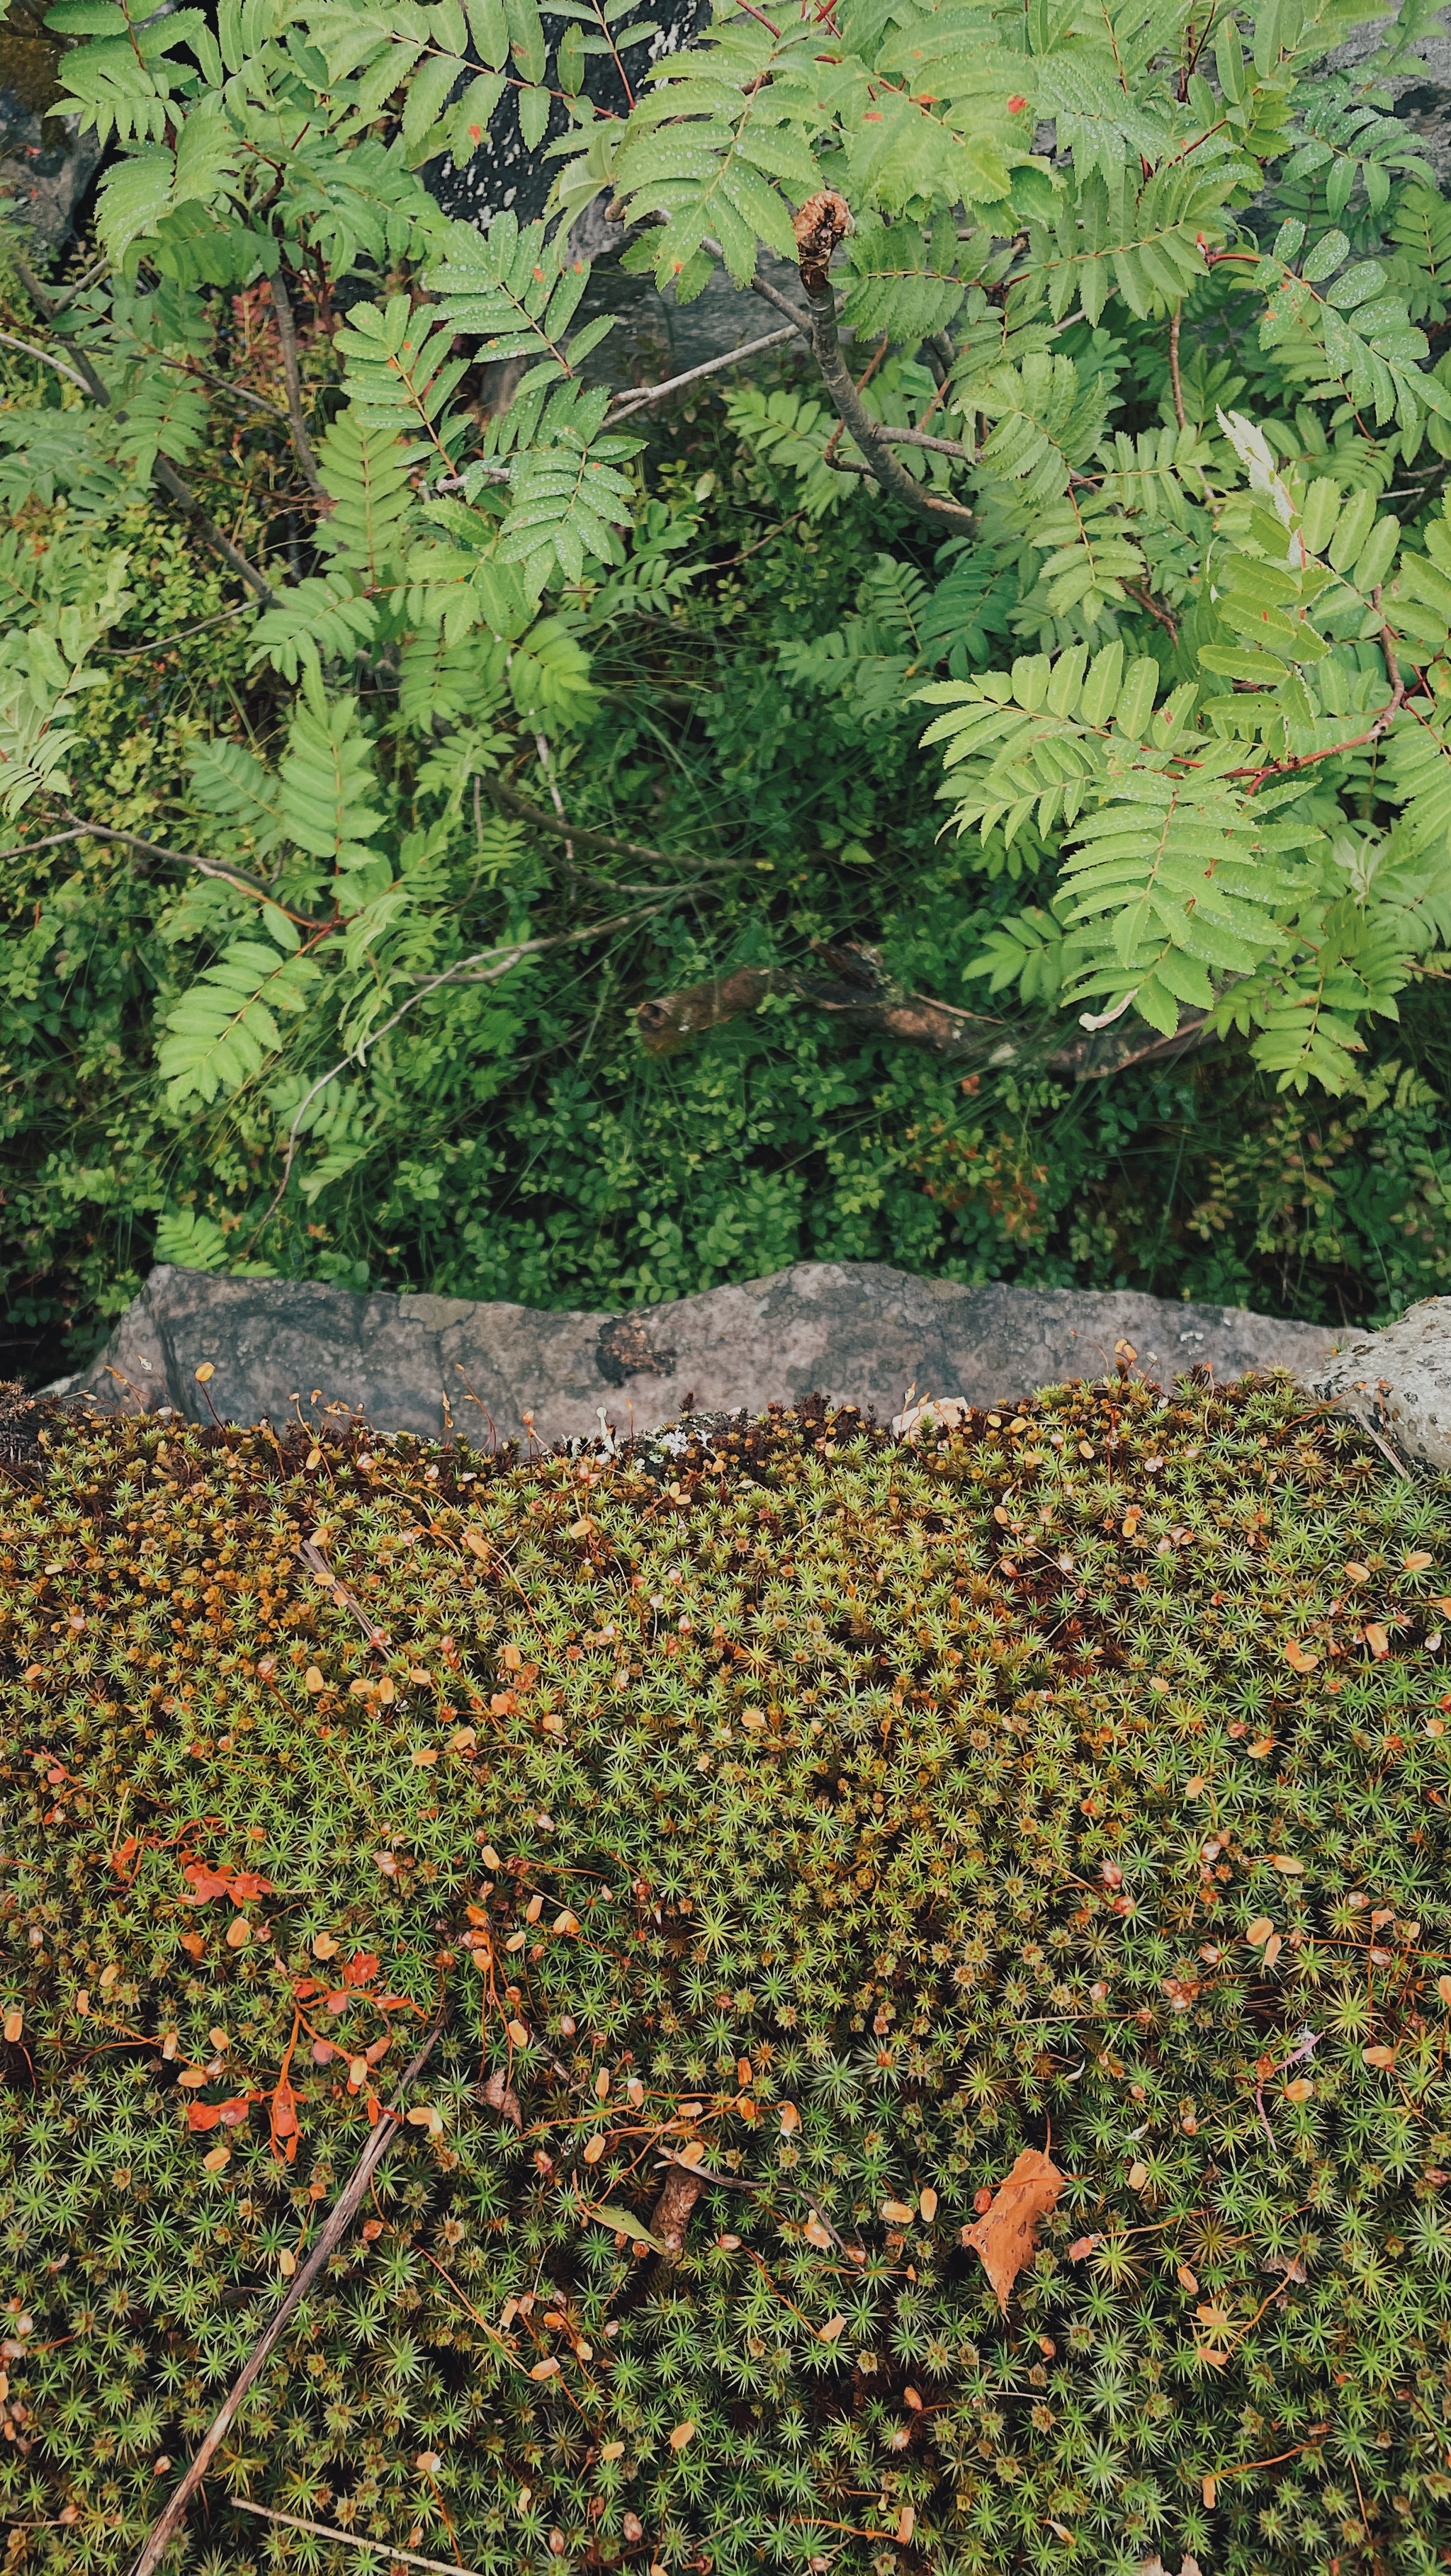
788,1829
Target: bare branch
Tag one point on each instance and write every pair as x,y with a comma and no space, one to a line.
205,866
556,828
869,435
639,397
45,358
301,443
345,2209
349,2539
163,471
485,966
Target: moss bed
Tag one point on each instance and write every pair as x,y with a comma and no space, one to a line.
863,1814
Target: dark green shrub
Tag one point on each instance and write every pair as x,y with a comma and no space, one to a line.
935,1793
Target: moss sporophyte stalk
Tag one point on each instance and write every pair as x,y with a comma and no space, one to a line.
832,1861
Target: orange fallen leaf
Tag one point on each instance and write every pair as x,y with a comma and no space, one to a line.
1300,2090
1005,2237
1377,1640
682,2434
1302,1659
1258,1931
898,2213
1381,2057
1418,1561
1443,1989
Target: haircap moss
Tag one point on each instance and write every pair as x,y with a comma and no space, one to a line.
792,1828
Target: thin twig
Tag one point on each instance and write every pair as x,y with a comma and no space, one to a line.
124,652
57,303
541,745
163,471
638,397
312,1557
477,972
182,858
589,839
301,443
1174,377
46,360
349,2539
384,2130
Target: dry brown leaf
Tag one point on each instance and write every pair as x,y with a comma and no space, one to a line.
1006,2234
500,2096
673,2208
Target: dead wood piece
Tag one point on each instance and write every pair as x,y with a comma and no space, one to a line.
666,1024
860,996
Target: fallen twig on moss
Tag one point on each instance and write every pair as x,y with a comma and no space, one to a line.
335,2226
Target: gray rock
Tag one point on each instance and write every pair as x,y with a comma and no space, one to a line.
1421,96
854,1331
46,163
1398,1383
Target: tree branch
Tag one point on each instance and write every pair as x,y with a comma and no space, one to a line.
163,471
301,443
558,829
870,437
485,966
639,397
206,867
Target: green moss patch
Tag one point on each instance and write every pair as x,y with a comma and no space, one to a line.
840,1817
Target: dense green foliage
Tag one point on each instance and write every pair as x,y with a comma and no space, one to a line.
338,1006
1044,1786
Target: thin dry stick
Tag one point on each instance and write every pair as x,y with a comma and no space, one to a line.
349,2539
638,397
345,2210
183,858
301,443
312,1557
46,360
1174,377
477,971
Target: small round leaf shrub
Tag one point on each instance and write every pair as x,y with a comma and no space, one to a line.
787,1828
